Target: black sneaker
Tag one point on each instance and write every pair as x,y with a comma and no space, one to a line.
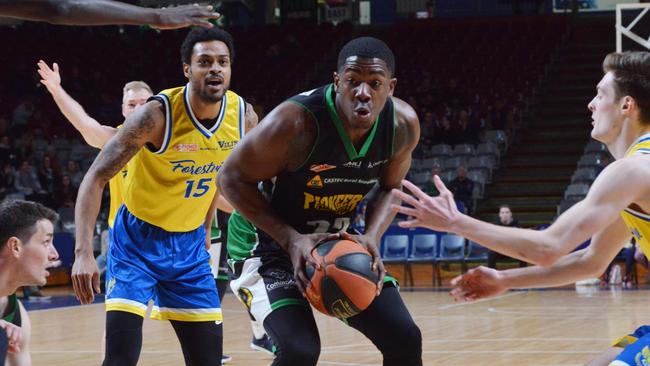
264,344
225,359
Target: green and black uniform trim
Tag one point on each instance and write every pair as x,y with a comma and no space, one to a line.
12,311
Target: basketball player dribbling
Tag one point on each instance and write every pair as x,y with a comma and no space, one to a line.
327,147
616,207
158,244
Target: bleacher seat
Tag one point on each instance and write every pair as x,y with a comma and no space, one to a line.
424,250
452,250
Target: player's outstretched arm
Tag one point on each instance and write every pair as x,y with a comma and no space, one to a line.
379,213
483,282
94,133
144,125
611,192
106,12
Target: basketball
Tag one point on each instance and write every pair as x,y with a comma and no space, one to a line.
345,283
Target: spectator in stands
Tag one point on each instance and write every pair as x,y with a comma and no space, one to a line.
429,186
427,126
25,146
75,174
49,174
27,184
7,152
7,180
463,188
65,194
505,219
21,115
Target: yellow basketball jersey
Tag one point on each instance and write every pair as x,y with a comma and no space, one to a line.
173,187
116,188
638,222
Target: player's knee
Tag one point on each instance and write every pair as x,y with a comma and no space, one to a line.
297,352
406,343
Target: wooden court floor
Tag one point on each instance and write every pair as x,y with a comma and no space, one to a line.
560,327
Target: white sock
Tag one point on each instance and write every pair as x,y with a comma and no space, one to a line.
258,329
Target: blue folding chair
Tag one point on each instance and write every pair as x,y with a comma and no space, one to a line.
425,250
396,250
452,250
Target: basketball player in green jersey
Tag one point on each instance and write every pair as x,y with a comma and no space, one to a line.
328,148
26,251
616,208
106,12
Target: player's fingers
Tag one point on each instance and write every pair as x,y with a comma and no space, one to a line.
197,22
382,275
85,288
404,210
407,211
408,223
96,283
456,280
417,192
75,286
297,273
56,67
406,197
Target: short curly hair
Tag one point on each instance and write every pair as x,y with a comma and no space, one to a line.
197,35
367,47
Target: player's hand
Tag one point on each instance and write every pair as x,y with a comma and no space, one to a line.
51,78
185,16
478,283
436,213
370,243
14,333
85,278
300,247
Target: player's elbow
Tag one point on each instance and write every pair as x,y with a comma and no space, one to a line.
547,255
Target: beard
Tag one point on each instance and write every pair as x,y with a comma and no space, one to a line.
206,96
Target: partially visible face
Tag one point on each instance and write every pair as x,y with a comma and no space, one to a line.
362,89
505,215
606,111
36,255
133,99
209,70
461,173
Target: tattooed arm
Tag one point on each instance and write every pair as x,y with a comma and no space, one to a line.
145,125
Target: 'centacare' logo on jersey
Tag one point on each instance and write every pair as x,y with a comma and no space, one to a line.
190,167
340,204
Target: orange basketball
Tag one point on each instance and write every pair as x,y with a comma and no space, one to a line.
345,283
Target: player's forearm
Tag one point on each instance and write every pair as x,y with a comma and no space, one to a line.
379,213
568,269
532,246
249,201
74,112
86,210
92,12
